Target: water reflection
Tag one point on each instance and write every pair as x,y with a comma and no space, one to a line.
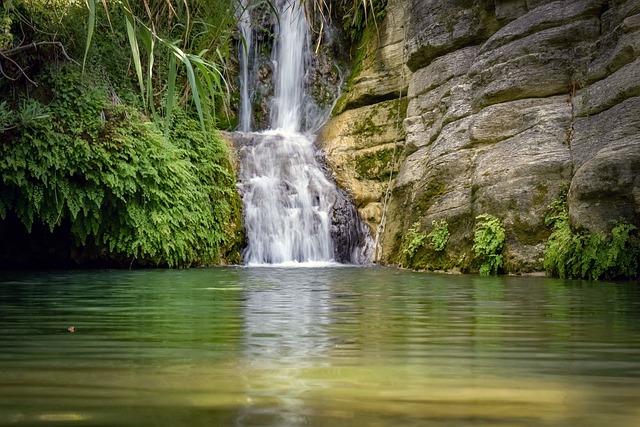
285,315
325,346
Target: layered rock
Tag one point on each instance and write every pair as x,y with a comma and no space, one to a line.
510,103
364,142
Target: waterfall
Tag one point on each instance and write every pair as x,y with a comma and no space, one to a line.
289,54
293,213
245,50
287,201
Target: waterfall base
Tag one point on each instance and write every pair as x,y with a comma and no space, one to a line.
294,213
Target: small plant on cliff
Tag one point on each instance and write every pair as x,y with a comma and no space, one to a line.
413,241
572,254
356,15
439,235
488,241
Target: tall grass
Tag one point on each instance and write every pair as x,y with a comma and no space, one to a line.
204,70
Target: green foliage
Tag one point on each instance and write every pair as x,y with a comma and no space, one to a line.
205,77
357,15
488,241
6,37
439,235
114,157
571,254
7,117
413,241
30,110
110,174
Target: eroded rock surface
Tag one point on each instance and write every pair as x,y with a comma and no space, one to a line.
504,106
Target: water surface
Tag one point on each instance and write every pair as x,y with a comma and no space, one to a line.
334,346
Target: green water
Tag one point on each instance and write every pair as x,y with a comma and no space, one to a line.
339,346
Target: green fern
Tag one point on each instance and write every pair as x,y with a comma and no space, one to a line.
413,241
593,256
120,185
439,235
488,241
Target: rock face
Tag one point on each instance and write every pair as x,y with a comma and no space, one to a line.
505,105
364,143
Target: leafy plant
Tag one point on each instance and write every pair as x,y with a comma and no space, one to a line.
571,254
205,79
30,111
413,241
488,241
439,235
118,184
6,37
122,167
7,117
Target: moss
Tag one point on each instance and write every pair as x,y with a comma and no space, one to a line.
375,165
360,51
367,127
540,196
528,234
404,107
431,191
341,104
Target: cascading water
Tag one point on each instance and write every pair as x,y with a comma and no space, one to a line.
290,51
245,49
291,208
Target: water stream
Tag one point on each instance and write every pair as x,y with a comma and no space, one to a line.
293,211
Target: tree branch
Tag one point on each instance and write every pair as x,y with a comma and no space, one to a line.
18,67
6,53
35,45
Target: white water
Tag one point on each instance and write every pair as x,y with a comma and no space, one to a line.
245,48
290,51
288,201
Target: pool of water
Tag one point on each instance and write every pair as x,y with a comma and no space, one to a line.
333,346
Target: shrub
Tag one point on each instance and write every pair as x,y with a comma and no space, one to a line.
488,241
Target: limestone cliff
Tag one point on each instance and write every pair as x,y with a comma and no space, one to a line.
464,107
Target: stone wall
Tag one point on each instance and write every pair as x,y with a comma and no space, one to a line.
508,104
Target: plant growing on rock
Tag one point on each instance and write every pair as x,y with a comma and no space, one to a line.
439,235
488,241
356,15
580,255
413,241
